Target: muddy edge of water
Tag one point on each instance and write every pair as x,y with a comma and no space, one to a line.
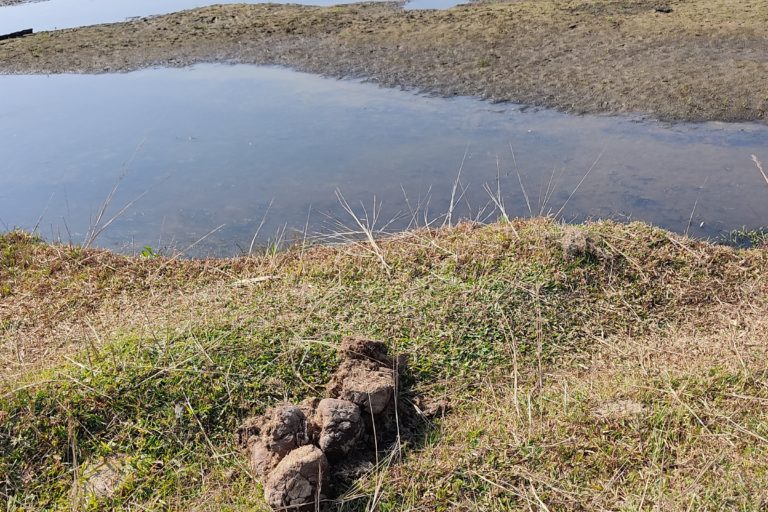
4,3
677,60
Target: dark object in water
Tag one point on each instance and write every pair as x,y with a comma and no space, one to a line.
14,35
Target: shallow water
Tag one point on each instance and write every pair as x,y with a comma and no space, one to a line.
433,4
213,145
60,14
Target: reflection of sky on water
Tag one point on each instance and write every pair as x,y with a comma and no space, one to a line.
60,14
215,144
433,4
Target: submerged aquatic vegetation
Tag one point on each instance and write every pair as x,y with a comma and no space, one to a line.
745,237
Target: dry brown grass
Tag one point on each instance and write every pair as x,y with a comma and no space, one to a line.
59,299
629,379
671,421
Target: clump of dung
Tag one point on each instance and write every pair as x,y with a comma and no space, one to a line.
295,450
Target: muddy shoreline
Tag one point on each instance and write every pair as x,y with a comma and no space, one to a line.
696,60
5,3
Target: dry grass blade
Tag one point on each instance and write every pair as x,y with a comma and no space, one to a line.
578,185
189,247
760,168
96,227
258,229
42,214
98,230
497,198
365,227
456,184
422,205
520,180
695,203
551,187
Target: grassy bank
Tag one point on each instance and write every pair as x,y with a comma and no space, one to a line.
676,59
600,367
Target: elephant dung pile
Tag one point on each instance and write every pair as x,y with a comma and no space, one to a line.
296,449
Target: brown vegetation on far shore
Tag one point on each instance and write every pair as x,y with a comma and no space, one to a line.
688,60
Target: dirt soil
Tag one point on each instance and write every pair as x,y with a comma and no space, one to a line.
4,3
675,59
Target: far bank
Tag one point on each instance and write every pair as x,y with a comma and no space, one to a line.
698,60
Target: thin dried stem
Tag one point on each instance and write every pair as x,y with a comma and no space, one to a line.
760,168
573,192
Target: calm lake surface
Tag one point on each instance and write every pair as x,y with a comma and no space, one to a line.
212,146
60,14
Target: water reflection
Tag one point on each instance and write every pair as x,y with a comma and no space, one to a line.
214,145
61,14
433,4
